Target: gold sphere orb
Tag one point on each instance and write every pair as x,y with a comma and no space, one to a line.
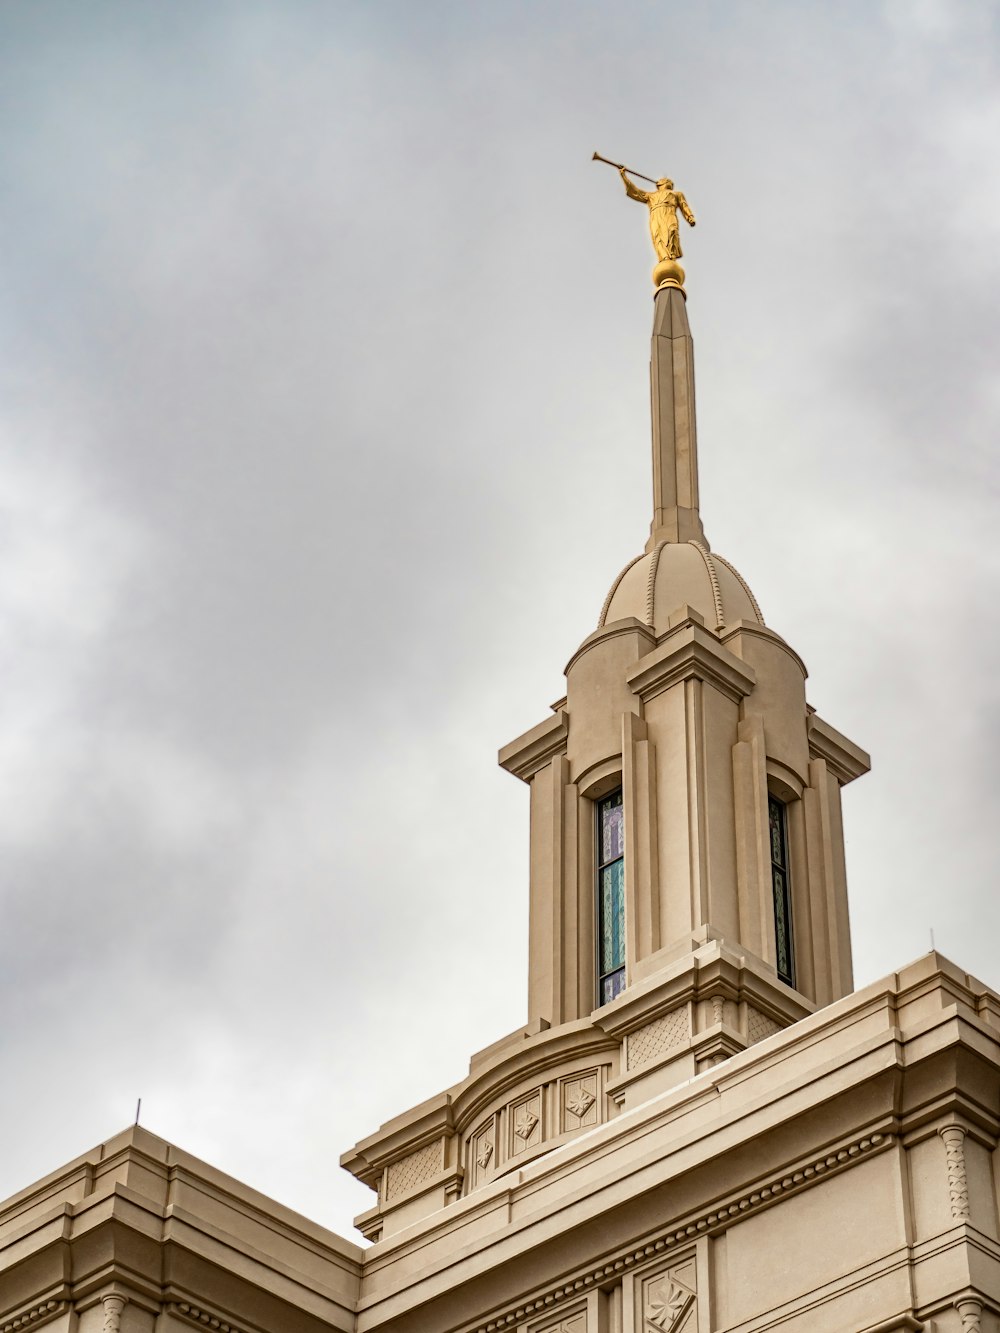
668,273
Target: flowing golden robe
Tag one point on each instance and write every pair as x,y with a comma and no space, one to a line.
663,203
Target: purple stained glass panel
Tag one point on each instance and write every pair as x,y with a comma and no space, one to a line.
784,960
612,986
612,828
775,813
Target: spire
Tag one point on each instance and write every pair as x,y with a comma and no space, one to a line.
675,451
675,436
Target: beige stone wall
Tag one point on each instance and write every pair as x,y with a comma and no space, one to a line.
838,1176
139,1237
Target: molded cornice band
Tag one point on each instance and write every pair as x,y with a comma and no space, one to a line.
689,652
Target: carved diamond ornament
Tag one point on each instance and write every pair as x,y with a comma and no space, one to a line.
526,1122
580,1103
666,1304
485,1153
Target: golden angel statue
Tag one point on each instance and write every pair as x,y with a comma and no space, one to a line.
664,203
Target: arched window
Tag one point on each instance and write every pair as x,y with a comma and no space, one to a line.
784,958
610,897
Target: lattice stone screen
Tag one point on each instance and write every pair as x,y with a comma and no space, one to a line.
413,1170
658,1037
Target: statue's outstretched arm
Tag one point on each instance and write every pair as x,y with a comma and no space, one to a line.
633,191
685,208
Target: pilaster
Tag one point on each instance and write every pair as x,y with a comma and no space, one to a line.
826,885
690,688
753,863
642,875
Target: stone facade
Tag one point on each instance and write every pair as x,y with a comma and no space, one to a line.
839,1177
734,1142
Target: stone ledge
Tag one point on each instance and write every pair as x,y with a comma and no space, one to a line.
691,652
529,753
34,1316
711,1221
845,760
852,1053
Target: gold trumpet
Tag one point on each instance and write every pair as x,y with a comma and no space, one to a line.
621,167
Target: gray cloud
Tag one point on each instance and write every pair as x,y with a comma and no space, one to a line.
323,430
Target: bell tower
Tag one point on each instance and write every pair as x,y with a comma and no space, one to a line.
686,832
688,895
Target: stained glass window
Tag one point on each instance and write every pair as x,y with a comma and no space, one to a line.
782,894
610,897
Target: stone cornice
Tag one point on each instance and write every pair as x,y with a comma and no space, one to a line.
616,629
680,1166
497,1050
152,1210
194,1314
551,1050
712,969
399,1137
158,1168
35,1316
749,629
857,1049
845,760
687,652
512,1205
529,753
733,1208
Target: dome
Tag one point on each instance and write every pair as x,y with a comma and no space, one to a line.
652,586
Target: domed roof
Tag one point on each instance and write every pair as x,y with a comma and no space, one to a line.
652,586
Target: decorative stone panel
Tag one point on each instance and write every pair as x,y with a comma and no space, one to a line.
579,1101
531,1117
484,1152
759,1026
656,1038
413,1170
525,1119
666,1300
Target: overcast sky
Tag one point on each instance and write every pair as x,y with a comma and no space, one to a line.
323,432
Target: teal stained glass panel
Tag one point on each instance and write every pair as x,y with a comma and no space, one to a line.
612,917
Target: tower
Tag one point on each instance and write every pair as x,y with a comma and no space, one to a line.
688,892
731,888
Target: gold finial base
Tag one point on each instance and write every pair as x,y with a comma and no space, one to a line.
668,273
